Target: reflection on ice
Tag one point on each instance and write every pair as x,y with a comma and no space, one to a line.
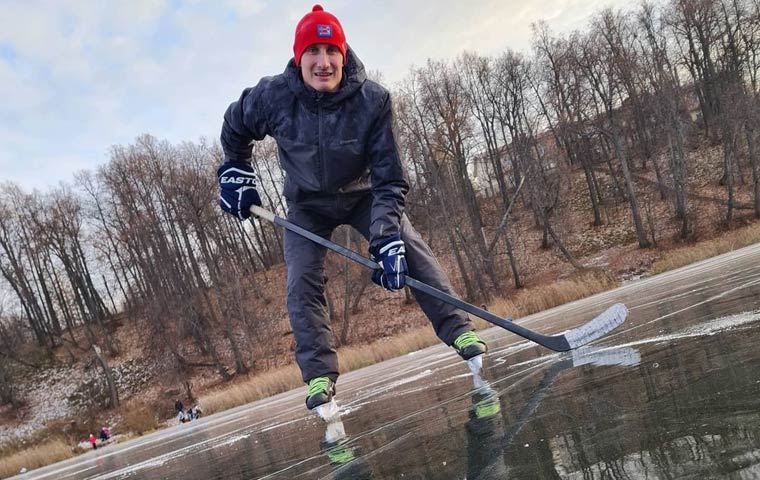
344,455
489,438
623,356
475,365
328,412
485,432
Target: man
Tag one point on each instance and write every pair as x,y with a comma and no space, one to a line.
336,145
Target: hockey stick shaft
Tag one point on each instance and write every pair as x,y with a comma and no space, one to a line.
559,343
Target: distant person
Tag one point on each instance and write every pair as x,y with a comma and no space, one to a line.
333,128
178,407
103,435
93,441
197,412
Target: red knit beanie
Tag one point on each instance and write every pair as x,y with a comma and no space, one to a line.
318,26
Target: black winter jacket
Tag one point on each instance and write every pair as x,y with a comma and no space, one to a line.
329,143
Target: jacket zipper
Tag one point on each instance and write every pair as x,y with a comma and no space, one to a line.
319,144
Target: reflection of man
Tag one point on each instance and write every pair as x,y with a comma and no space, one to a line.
485,432
345,458
336,145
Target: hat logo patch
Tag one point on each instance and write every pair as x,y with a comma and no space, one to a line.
324,31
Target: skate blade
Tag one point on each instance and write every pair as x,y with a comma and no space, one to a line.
329,412
475,364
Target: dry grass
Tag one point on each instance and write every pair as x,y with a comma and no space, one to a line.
353,358
537,299
35,457
261,386
139,418
733,240
287,378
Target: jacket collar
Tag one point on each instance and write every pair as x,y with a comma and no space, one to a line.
353,78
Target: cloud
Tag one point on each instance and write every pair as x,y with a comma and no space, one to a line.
19,82
244,8
395,34
80,76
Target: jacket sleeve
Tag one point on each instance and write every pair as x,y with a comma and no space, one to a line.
244,122
388,177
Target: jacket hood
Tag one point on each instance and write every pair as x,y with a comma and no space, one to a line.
354,77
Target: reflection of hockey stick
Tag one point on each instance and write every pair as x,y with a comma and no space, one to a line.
574,338
626,356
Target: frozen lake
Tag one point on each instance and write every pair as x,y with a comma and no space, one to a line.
672,393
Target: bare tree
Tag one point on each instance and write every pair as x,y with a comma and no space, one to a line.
597,51
417,138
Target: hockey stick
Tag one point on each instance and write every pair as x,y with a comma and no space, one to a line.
573,338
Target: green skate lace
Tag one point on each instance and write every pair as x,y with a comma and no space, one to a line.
487,408
340,455
465,340
319,384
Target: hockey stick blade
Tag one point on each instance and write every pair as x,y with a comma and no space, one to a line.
600,326
568,340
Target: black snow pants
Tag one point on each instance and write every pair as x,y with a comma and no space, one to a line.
307,305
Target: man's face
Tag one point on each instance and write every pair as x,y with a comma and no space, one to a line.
322,67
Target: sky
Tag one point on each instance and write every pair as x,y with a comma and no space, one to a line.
79,76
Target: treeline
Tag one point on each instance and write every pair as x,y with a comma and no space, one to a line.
141,236
629,96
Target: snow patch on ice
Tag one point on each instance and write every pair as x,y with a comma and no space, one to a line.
738,321
232,440
278,425
133,469
404,381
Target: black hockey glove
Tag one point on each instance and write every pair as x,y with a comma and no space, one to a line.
237,189
390,256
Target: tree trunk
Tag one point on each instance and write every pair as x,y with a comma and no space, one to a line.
753,162
112,392
728,161
512,260
635,212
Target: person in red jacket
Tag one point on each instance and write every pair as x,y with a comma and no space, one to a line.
93,441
